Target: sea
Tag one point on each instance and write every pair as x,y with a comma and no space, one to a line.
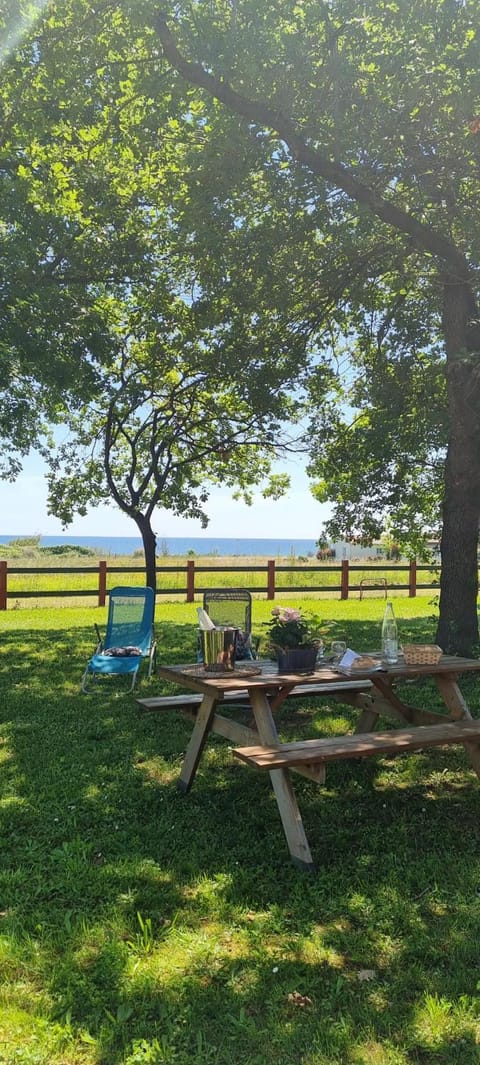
183,545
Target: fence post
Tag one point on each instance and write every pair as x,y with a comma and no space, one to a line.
191,580
3,585
102,583
271,578
412,579
344,589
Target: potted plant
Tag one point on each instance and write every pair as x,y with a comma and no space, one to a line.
294,639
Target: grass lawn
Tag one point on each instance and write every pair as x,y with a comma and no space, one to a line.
142,927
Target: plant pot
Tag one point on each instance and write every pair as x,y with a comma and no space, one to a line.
297,660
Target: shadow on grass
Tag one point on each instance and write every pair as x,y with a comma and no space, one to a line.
174,928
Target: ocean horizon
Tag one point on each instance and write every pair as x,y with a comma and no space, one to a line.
183,545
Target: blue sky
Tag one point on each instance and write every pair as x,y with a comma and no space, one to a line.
23,511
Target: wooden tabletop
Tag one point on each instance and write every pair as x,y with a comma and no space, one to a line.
194,676
447,664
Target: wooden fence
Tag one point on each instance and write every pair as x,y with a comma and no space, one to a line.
348,580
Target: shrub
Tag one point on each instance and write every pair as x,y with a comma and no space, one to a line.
26,541
67,549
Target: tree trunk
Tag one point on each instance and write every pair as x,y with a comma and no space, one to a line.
149,547
458,623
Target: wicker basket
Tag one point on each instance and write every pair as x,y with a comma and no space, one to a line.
421,654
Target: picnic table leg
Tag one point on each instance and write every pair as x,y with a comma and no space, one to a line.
382,701
458,708
198,739
368,719
282,786
387,703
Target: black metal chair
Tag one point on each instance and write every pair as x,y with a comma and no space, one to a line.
232,606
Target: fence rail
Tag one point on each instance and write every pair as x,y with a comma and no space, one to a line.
193,586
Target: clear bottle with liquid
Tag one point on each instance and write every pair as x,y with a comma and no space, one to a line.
389,636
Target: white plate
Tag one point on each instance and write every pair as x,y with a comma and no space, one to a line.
349,672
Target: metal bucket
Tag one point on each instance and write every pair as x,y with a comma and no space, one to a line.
218,649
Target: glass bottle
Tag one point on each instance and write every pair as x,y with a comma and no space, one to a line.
389,636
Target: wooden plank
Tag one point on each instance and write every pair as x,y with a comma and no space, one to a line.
234,731
317,772
176,702
3,585
102,583
359,745
169,702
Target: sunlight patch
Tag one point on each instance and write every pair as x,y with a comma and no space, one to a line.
17,27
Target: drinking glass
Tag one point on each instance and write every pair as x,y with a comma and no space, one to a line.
320,653
338,650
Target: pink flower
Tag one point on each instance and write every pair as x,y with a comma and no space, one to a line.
287,628
289,614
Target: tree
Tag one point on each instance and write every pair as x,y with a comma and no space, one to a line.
376,107
318,168
168,424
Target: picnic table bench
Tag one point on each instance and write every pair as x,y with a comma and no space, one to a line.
192,702
395,741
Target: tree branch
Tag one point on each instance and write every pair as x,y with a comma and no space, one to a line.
333,172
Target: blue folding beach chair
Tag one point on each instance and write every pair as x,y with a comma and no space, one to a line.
129,637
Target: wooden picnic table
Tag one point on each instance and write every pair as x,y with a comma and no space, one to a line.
373,694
